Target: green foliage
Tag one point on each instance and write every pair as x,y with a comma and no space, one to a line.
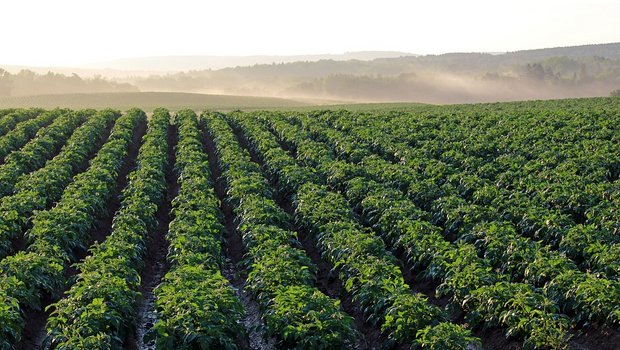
281,275
523,312
107,311
409,315
42,266
460,268
509,209
308,319
198,310
9,118
446,336
514,216
39,189
366,269
196,306
39,143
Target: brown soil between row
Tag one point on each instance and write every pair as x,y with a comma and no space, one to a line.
155,263
234,254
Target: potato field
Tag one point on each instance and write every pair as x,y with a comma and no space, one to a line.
490,226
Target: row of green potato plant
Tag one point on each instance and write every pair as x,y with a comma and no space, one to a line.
583,244
458,267
98,311
367,270
520,257
450,209
39,189
26,276
502,182
11,118
457,214
281,276
554,155
486,294
597,247
6,111
46,143
585,295
196,306
545,261
25,131
373,276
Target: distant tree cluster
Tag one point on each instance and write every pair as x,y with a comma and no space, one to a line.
27,82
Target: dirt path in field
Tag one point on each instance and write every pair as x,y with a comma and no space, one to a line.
34,334
233,248
155,263
327,280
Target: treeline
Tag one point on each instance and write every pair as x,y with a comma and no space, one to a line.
452,78
27,82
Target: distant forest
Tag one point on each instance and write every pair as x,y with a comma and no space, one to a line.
580,71
26,83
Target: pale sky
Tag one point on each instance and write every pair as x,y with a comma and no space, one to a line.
74,32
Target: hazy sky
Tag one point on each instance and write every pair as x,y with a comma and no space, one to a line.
71,32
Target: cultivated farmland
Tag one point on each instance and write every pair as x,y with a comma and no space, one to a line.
491,226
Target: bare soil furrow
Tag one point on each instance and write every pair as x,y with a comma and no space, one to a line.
155,263
234,251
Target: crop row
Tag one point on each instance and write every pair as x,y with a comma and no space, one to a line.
43,146
41,269
196,306
6,111
10,118
26,130
583,295
466,277
552,189
458,267
367,270
39,189
98,311
281,276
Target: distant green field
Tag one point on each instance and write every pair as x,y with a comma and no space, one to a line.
148,101
175,101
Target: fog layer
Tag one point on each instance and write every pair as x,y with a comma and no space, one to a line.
584,71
